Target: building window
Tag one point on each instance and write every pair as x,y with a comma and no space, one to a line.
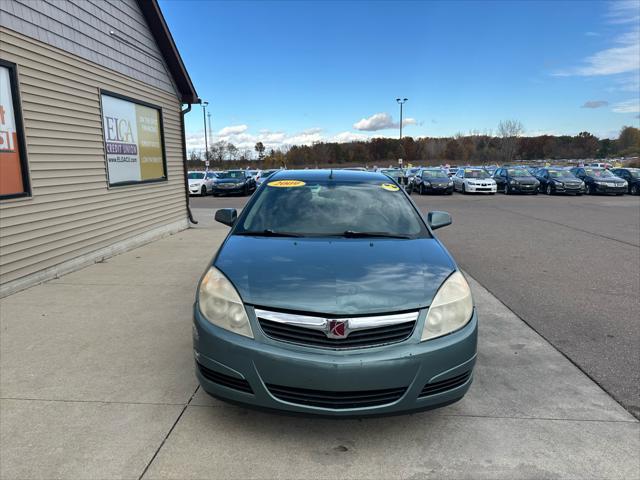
14,174
133,140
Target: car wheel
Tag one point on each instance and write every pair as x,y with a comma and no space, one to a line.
245,192
464,189
634,190
589,189
507,190
549,191
421,189
203,191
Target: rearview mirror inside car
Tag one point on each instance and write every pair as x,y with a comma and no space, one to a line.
227,216
438,219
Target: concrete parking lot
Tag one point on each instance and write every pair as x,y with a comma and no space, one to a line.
96,381
568,266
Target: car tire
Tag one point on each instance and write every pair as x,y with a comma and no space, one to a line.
464,189
215,194
589,190
634,190
549,191
421,189
507,190
245,191
203,191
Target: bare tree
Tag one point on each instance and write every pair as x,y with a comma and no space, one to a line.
509,131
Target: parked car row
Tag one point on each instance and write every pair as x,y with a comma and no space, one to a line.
431,180
510,180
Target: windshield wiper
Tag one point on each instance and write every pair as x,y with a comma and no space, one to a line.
269,233
353,234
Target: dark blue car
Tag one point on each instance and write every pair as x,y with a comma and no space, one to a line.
307,306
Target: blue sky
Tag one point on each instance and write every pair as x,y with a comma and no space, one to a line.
297,72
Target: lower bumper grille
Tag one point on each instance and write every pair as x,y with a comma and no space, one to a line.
336,400
356,339
444,385
225,380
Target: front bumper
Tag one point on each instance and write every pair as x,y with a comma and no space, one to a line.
219,190
444,188
610,189
524,188
255,372
481,188
563,188
195,189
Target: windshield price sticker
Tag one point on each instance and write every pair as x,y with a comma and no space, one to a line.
390,187
286,183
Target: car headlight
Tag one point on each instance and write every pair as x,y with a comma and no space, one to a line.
426,184
221,305
513,182
451,308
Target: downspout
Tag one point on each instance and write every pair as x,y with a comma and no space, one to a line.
184,163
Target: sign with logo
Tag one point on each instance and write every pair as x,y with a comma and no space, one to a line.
133,141
13,181
399,161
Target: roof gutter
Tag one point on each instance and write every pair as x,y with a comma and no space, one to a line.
184,163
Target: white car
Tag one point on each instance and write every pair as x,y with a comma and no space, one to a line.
474,180
201,183
263,175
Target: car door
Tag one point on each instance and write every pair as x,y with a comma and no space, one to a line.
543,177
458,178
498,178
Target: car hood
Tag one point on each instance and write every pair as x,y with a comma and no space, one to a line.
195,181
608,179
438,180
335,276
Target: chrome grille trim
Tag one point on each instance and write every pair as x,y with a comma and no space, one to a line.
320,323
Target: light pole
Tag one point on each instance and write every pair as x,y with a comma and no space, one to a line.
204,120
401,102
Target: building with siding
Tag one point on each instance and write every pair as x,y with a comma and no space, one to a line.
92,155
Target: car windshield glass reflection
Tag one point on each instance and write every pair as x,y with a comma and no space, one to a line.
476,174
433,174
559,174
239,174
519,172
196,175
599,173
328,208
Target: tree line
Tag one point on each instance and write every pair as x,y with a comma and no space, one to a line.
475,148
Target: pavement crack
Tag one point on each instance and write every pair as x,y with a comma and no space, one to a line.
155,454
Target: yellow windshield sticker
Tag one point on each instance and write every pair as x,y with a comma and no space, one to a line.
390,187
286,183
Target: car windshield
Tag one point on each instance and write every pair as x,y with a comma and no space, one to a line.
560,174
519,172
634,173
433,174
196,175
328,208
266,173
598,172
392,173
476,174
239,174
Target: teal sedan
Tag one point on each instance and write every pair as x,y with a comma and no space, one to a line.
331,296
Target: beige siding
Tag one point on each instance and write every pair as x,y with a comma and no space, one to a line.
72,211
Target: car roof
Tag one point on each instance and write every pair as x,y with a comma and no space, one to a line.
323,174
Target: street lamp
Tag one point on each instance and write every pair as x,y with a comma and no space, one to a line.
204,120
401,102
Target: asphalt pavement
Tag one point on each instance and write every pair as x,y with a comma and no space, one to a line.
568,266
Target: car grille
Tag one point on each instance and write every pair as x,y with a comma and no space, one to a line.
225,380
444,385
357,339
336,400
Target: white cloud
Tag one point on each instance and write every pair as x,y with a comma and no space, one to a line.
624,11
347,136
381,121
624,57
232,130
595,104
628,106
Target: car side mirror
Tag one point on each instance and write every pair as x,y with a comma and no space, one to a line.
438,219
227,216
